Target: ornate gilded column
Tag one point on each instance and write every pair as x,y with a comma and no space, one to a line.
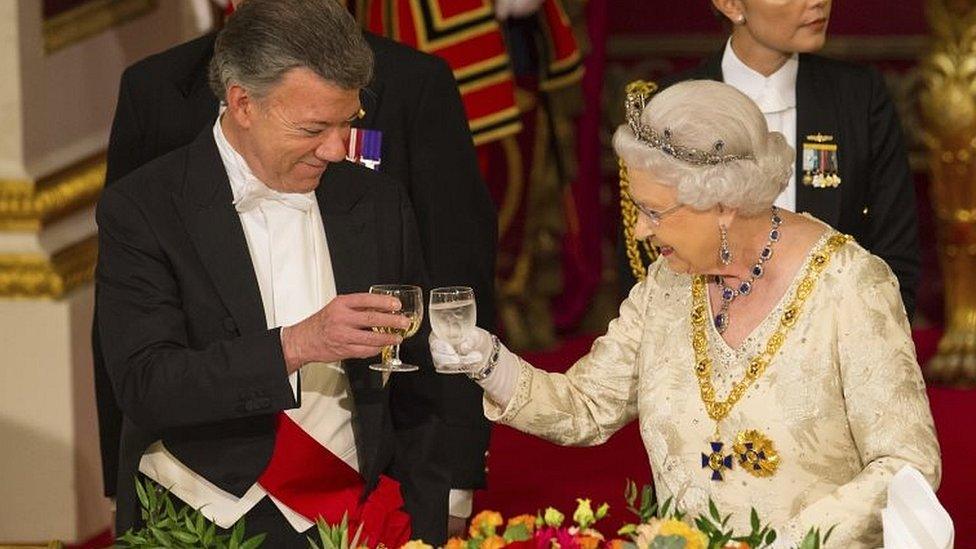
61,63
948,105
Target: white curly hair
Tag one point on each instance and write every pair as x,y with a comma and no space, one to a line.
698,114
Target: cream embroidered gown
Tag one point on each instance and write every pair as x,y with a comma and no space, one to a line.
843,401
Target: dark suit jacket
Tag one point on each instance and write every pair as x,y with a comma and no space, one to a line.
186,343
875,202
164,102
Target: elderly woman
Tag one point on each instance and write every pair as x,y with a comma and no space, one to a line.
851,168
766,356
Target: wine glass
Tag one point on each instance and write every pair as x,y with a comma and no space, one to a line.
412,307
452,314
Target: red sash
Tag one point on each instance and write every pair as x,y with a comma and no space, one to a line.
314,482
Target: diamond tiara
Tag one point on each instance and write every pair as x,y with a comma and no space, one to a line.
638,94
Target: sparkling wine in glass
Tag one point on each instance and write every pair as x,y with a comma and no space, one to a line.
412,307
452,314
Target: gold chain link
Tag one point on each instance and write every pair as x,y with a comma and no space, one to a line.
718,410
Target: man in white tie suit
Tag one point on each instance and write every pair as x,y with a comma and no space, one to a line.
232,308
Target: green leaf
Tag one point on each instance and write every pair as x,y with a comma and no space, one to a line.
141,492
713,511
810,540
664,509
312,542
770,537
208,534
627,529
254,542
153,499
170,509
646,507
754,520
237,534
827,535
630,492
185,537
355,538
162,536
517,532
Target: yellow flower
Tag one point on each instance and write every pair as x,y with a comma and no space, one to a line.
455,543
694,539
493,542
415,544
526,520
484,524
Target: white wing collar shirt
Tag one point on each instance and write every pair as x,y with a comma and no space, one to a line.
776,97
286,240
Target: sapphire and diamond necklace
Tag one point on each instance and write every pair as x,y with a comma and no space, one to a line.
729,293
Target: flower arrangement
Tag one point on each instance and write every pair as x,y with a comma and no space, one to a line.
543,531
658,527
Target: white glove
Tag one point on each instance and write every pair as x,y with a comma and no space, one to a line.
470,354
515,8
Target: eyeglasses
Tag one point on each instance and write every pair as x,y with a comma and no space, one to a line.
654,216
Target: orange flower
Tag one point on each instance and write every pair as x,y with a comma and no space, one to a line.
737,545
616,544
484,524
587,542
493,542
455,543
527,520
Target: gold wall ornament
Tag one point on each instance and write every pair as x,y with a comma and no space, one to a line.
90,17
948,105
29,206
37,276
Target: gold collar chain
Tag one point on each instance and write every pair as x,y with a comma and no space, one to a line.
718,410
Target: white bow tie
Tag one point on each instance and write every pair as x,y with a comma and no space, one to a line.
256,192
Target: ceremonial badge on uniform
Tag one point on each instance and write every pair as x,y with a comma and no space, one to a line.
365,147
820,161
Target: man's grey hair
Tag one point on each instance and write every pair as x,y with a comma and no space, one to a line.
264,39
698,114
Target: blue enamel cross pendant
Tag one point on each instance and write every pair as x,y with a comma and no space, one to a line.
717,461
